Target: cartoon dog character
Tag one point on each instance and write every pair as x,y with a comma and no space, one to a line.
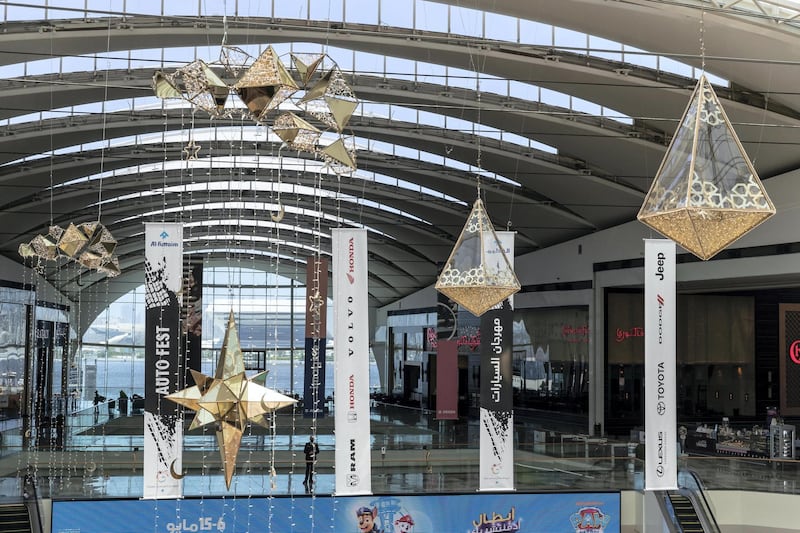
366,520
404,524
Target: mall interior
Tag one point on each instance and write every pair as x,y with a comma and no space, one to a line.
393,117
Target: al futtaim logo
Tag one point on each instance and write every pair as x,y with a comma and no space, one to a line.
351,260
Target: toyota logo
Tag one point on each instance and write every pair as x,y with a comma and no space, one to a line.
661,408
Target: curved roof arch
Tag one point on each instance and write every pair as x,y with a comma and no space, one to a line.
51,168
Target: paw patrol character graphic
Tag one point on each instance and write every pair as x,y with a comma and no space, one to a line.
404,524
366,520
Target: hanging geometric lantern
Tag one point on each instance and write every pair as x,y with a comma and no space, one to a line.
478,276
296,132
706,194
90,244
230,399
319,93
265,84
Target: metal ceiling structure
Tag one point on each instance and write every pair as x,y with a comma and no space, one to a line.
59,166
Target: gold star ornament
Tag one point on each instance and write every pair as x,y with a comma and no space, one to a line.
230,399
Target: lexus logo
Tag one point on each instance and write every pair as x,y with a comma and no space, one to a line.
661,408
660,471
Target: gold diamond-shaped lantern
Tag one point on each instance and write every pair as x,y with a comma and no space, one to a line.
339,157
478,275
230,399
296,132
265,84
306,65
706,193
331,100
203,87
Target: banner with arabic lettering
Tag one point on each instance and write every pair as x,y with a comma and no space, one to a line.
660,381
163,425
597,512
496,468
351,362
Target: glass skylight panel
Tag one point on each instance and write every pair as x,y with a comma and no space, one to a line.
429,72
398,13
572,41
362,11
584,106
18,12
462,78
431,16
491,84
370,64
104,6
640,57
332,10
605,48
426,118
74,9
466,21
292,10
501,27
536,33
670,65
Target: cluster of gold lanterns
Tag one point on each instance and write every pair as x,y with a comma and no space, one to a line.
90,244
299,104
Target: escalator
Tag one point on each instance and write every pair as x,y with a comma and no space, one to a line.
14,518
684,512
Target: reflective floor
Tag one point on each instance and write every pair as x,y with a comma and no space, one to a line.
102,459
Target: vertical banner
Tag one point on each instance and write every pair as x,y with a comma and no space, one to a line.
192,317
660,404
447,380
351,362
316,324
163,427
496,398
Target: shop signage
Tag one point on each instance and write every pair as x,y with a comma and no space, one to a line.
794,352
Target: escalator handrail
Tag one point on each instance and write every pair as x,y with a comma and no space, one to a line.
31,498
698,497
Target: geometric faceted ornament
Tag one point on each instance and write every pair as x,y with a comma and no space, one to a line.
89,244
478,275
312,87
706,193
230,400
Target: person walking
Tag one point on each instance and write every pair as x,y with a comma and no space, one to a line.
310,450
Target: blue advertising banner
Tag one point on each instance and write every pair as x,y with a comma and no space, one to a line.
465,513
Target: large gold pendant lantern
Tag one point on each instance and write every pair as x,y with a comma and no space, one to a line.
706,194
478,275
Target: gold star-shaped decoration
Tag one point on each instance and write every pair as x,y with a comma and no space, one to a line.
191,150
230,399
315,303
